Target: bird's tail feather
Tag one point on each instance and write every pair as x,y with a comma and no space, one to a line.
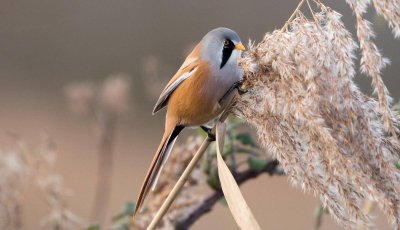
167,151
157,164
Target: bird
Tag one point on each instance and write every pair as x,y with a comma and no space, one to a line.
194,95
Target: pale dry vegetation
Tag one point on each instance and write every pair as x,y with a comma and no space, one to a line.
331,139
26,165
313,123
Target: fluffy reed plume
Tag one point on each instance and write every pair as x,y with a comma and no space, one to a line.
154,69
330,138
54,192
60,217
80,97
114,94
18,168
12,183
372,61
187,200
390,10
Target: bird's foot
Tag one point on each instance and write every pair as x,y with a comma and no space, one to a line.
210,135
238,85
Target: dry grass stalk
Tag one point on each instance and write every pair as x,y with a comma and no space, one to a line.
113,100
328,136
106,103
179,185
190,195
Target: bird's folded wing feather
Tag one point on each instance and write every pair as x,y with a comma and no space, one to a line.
187,69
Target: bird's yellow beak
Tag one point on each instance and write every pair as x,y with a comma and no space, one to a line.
240,46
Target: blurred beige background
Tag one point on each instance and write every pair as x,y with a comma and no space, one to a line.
47,44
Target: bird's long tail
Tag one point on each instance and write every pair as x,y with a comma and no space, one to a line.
157,163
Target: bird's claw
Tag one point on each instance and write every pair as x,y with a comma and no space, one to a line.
238,85
209,132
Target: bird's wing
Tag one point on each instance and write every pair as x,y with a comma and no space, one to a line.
187,69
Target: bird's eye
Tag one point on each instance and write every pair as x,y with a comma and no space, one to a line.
226,42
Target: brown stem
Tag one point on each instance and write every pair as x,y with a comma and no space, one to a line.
284,28
206,206
105,166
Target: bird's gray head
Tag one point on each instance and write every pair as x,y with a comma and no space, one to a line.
221,47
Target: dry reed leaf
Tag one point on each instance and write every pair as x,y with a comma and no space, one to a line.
237,205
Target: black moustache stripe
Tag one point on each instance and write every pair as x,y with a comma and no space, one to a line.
226,53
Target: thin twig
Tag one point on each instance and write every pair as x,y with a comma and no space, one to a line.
311,10
185,175
247,148
284,28
105,167
271,168
178,186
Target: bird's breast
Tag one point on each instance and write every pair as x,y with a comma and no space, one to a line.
195,101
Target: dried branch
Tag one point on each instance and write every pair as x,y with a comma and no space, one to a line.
295,12
208,203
